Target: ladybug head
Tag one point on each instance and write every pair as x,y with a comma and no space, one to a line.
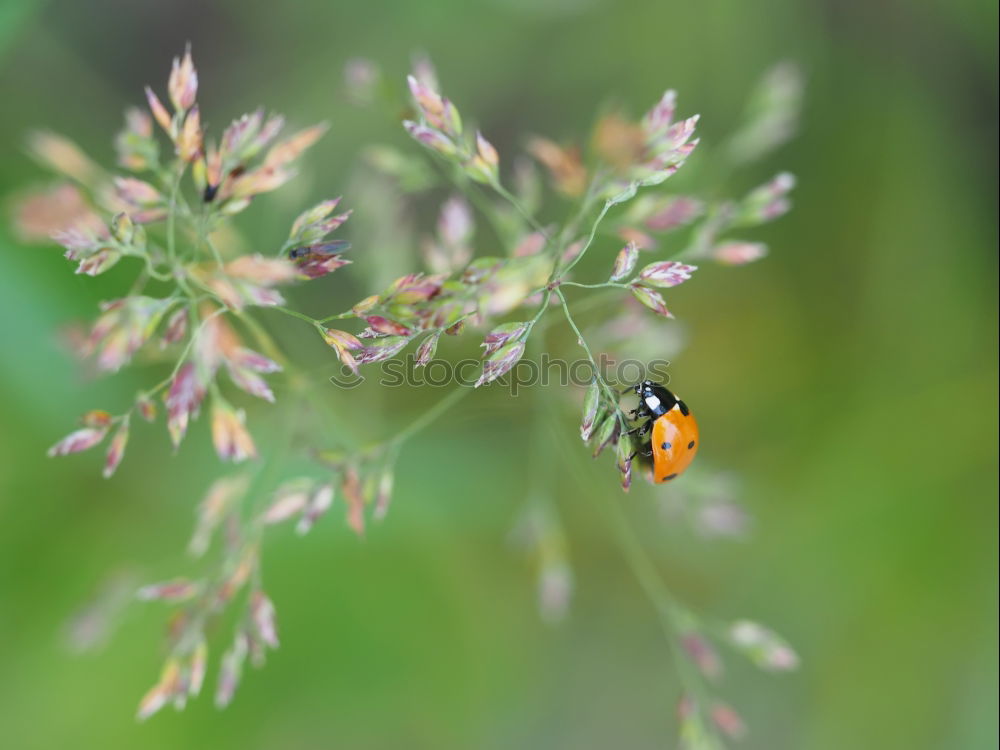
648,388
645,387
654,397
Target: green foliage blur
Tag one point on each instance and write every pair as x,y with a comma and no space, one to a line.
850,380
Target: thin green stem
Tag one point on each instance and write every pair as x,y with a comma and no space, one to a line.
588,304
603,285
149,269
263,338
175,187
184,353
337,316
673,616
542,309
181,277
609,392
525,214
430,415
487,208
153,273
297,314
203,237
558,273
462,181
586,204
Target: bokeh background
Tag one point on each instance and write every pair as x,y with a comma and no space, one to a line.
850,379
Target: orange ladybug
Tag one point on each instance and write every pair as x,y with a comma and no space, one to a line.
673,431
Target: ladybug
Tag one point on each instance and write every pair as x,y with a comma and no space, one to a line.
672,430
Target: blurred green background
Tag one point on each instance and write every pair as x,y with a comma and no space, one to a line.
850,379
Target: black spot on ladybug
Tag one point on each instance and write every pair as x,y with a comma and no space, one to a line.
667,479
684,408
665,446
691,445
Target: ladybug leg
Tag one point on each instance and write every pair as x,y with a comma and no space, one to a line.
642,429
641,410
646,450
